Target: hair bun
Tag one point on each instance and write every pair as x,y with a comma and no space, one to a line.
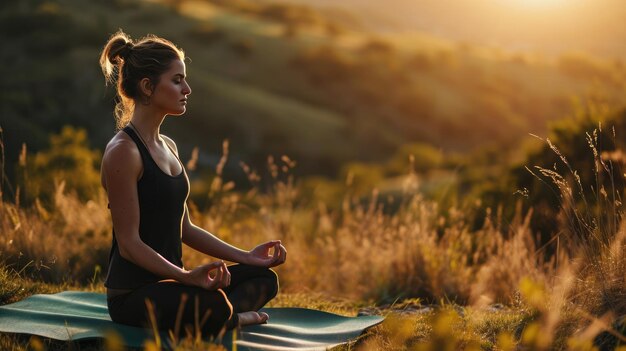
126,50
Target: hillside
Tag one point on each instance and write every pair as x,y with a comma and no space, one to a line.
278,79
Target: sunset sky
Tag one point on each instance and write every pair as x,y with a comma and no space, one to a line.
547,26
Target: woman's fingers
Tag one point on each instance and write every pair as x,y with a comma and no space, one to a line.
219,275
260,255
276,252
280,254
215,264
269,245
277,257
201,276
211,266
207,280
222,277
226,276
211,284
215,282
283,254
224,280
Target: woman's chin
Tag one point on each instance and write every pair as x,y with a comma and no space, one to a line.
177,113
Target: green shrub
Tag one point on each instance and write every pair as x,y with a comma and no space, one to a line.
68,159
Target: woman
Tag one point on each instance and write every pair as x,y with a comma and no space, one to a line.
147,188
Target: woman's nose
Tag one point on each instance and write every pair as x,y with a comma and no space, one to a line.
187,89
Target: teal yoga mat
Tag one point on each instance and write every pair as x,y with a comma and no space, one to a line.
76,315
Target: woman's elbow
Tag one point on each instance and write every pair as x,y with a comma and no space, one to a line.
125,253
187,234
126,250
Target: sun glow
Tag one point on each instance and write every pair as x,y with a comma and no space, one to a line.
537,4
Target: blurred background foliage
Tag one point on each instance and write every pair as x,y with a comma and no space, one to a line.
69,160
355,109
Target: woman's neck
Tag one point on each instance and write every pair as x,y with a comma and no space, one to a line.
147,123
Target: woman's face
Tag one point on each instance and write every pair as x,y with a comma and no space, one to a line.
170,94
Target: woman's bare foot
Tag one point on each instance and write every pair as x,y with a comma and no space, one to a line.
252,317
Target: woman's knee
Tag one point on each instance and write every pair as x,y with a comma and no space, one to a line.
273,283
265,279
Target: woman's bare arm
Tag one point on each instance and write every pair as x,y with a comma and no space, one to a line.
209,244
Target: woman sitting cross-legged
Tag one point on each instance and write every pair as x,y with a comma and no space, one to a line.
147,189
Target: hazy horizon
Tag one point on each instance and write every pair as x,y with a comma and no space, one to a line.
548,27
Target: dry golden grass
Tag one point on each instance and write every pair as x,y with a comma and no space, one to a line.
70,243
359,251
354,255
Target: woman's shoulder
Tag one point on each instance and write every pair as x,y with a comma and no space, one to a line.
121,163
121,149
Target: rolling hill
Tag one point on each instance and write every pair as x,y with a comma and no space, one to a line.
287,79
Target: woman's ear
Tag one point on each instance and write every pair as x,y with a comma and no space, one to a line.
146,87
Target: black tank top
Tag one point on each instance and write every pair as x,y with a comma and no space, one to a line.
161,207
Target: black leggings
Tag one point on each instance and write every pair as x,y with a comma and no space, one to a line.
250,289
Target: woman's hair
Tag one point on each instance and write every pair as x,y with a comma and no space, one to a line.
126,62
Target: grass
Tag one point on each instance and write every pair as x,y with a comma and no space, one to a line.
440,283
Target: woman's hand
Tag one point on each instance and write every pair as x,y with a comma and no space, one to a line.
201,276
260,255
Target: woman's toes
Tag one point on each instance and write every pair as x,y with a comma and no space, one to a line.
252,317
